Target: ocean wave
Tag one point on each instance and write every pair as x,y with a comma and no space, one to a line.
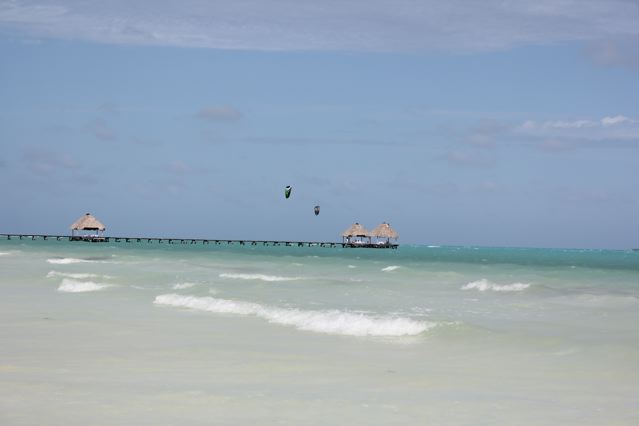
330,322
4,253
351,266
261,277
72,286
68,261
72,260
390,268
485,285
79,276
597,300
182,286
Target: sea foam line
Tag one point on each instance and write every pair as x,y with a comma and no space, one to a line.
68,261
331,321
390,268
182,286
261,277
484,285
79,276
72,286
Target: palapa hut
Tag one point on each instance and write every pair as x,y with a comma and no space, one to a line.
383,233
88,222
354,234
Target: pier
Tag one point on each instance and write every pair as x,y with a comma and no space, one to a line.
201,241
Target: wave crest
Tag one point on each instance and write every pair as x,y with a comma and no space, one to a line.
390,268
80,276
485,285
261,277
331,322
68,261
182,286
73,286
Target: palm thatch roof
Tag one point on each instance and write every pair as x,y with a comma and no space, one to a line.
384,230
88,222
356,230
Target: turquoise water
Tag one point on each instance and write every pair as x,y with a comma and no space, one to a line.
141,333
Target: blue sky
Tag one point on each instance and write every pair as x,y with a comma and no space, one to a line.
497,123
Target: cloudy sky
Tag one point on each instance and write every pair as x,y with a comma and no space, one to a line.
508,123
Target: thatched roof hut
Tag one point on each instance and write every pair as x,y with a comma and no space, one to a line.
384,230
88,222
356,230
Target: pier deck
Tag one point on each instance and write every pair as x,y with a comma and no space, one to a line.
158,240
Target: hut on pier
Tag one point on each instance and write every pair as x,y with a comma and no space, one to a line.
88,228
383,233
356,234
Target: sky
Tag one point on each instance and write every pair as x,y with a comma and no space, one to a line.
460,123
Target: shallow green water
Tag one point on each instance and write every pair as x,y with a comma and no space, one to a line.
147,334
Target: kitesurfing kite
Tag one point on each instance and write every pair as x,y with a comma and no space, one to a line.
287,191
317,210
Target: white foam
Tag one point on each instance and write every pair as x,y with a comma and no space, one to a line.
352,266
68,260
485,285
4,253
331,322
72,286
79,276
182,286
390,268
261,277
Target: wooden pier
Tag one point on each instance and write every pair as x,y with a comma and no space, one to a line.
201,241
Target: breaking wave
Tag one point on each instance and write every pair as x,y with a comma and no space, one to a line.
72,286
390,268
68,261
331,322
79,276
485,285
261,277
182,286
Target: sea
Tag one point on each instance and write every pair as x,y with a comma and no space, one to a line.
193,334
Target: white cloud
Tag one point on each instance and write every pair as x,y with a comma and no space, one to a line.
618,119
561,135
373,25
531,125
578,124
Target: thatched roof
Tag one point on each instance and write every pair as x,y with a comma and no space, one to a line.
88,222
356,230
384,230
